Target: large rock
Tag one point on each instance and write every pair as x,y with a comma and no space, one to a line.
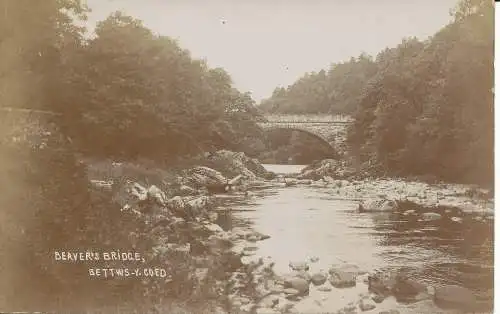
157,195
255,236
237,163
367,305
344,275
341,279
383,282
327,168
378,205
132,196
317,170
410,290
177,205
299,284
203,176
399,284
453,296
318,279
198,204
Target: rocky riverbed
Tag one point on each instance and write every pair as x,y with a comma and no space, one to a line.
187,221
313,284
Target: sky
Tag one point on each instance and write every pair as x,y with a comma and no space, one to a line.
264,44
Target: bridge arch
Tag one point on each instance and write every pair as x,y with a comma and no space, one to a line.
324,140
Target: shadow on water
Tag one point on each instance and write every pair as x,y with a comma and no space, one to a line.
464,244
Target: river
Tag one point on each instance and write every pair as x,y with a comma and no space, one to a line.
307,221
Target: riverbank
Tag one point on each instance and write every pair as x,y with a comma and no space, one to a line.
170,216
348,184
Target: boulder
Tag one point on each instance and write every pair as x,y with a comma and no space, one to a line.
377,205
255,236
237,163
213,216
177,206
382,282
409,290
299,284
157,195
214,228
456,297
203,176
138,191
341,279
377,298
318,279
187,190
319,169
344,275
367,305
198,204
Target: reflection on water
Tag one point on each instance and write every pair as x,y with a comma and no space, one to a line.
284,168
305,222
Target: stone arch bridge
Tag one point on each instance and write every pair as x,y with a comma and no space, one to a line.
331,129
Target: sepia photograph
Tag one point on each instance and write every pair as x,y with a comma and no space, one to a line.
247,156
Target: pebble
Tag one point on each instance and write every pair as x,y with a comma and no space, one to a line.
431,216
298,266
314,259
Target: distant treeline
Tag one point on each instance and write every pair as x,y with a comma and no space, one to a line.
423,107
125,93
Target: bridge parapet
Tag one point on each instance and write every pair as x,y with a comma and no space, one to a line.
281,118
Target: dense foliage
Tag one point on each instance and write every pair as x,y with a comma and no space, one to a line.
423,107
141,89
126,93
429,109
336,91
